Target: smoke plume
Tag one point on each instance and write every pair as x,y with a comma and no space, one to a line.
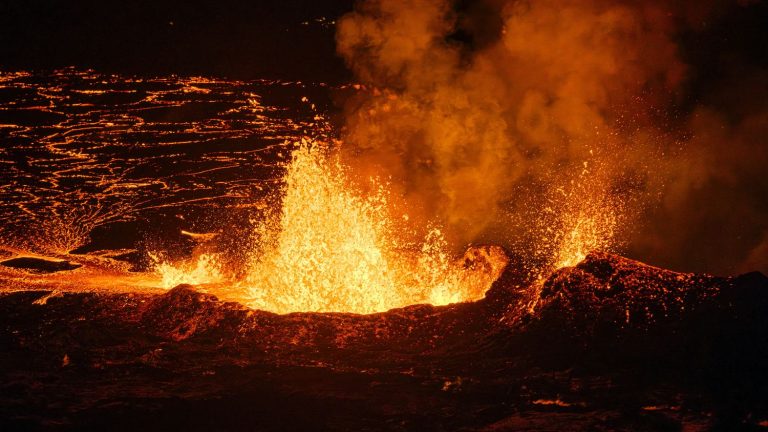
492,116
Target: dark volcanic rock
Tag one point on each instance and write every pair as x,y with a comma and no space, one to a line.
39,265
612,345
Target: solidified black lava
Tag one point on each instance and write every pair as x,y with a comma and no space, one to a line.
39,265
611,345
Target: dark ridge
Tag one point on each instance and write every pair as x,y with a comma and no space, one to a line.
613,344
39,265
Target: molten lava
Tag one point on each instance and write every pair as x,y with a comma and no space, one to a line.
330,248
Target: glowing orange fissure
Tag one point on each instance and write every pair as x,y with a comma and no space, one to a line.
329,248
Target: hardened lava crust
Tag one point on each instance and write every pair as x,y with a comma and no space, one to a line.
610,344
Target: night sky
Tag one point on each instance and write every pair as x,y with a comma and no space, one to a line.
238,39
266,37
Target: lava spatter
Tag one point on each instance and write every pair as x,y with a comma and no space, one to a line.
330,248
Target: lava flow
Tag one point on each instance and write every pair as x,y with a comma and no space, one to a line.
304,235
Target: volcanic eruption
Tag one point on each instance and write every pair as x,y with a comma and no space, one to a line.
429,243
328,249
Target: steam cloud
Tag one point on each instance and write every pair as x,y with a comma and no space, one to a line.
487,113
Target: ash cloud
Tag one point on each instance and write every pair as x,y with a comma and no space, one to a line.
483,113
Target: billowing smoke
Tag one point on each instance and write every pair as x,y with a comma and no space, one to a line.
490,115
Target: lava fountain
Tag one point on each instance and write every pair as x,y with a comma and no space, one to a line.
331,248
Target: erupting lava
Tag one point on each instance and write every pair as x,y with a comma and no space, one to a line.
330,248
329,241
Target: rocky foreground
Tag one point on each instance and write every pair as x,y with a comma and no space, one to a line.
612,344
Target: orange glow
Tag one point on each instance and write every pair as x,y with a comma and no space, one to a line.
332,240
330,248
588,233
588,227
205,269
